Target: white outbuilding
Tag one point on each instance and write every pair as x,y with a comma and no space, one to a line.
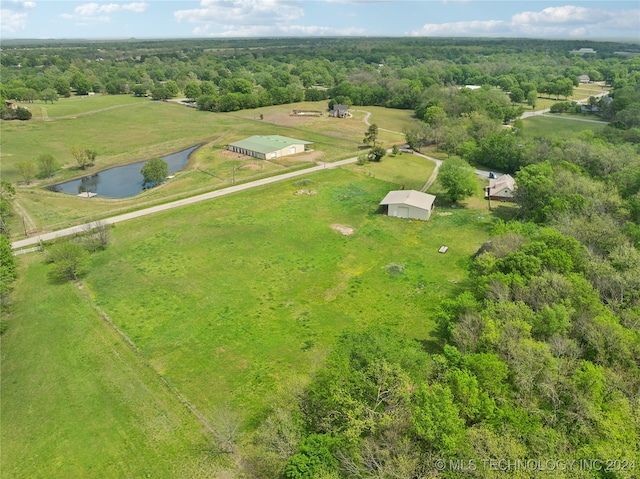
409,204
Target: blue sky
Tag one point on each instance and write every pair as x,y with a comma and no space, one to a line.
276,18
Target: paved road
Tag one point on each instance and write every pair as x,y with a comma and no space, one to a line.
176,204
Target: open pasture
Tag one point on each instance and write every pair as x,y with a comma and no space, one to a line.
230,297
78,402
407,171
140,131
79,106
557,128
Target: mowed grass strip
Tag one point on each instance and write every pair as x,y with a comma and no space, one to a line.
77,402
227,298
79,105
557,128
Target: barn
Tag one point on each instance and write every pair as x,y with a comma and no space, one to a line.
409,204
269,146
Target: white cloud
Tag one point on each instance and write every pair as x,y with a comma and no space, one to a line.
13,15
251,18
565,15
283,30
137,7
459,29
568,20
89,13
242,12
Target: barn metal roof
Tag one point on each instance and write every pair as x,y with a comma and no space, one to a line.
267,143
409,197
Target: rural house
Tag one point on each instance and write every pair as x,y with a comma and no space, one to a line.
501,188
268,147
339,111
584,79
409,204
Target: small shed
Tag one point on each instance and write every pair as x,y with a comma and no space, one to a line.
409,204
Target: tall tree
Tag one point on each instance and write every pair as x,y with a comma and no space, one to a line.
371,135
84,156
155,171
458,178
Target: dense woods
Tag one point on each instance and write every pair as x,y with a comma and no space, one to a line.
538,355
228,75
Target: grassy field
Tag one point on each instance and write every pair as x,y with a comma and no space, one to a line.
225,299
228,298
77,402
135,129
556,128
144,129
79,105
404,170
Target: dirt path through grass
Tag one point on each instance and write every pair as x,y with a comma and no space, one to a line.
366,122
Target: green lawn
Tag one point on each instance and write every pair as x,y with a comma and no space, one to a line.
140,131
230,297
556,128
226,299
408,171
79,105
77,402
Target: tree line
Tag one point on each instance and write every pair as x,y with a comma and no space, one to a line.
224,75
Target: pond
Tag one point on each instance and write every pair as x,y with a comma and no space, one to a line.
120,181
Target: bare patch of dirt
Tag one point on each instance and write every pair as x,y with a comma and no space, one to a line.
345,230
305,192
251,166
232,154
446,213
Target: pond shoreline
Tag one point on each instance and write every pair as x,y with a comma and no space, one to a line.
122,181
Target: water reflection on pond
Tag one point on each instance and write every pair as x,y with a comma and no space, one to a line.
120,181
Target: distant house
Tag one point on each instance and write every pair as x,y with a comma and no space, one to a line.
584,79
268,147
584,51
339,111
409,204
501,188
589,109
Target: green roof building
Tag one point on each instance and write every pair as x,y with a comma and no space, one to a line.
268,147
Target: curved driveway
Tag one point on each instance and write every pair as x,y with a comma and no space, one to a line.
33,240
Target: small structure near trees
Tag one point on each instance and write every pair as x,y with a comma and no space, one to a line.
501,188
409,204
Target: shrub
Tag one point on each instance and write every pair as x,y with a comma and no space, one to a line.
70,261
